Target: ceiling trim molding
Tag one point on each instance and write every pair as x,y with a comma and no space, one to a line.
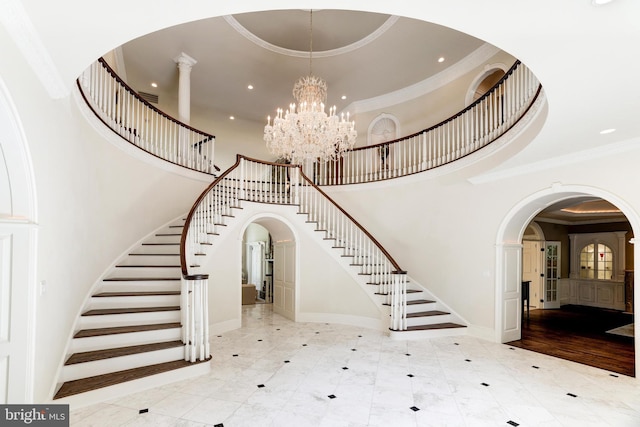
304,54
450,74
20,28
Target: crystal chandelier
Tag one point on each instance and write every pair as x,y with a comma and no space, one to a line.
304,131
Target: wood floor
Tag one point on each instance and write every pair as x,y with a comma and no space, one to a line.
578,334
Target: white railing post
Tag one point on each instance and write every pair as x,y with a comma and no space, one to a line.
141,124
195,317
399,301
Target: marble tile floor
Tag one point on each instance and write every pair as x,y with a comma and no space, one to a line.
274,372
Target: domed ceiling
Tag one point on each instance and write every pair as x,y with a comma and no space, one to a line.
360,55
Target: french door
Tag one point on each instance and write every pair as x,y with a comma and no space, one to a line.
551,275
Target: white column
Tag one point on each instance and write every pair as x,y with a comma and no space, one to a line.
185,63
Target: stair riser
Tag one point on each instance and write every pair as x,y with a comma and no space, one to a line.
139,286
104,342
428,320
165,239
99,367
151,260
146,272
133,301
157,249
417,308
112,320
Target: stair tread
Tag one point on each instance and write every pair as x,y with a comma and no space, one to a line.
147,266
139,279
154,254
136,294
447,325
91,356
420,301
85,333
415,302
83,385
427,313
103,311
409,291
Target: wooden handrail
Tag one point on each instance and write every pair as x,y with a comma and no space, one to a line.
447,120
125,112
183,238
333,202
147,103
239,158
469,130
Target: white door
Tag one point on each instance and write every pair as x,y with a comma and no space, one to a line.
15,315
284,290
510,283
551,275
532,270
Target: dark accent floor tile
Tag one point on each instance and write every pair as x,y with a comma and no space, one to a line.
414,408
143,411
332,396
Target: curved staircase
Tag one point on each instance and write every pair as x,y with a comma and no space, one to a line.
130,329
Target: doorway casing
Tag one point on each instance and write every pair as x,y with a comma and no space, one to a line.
282,233
508,313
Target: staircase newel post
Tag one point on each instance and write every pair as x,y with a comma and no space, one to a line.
184,315
205,308
399,301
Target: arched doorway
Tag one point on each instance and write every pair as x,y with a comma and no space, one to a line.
18,229
509,253
280,266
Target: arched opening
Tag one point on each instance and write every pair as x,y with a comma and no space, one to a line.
269,256
18,216
566,289
487,79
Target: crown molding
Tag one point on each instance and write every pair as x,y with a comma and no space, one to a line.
19,27
305,54
452,73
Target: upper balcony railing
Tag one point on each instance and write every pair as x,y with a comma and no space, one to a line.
481,123
125,112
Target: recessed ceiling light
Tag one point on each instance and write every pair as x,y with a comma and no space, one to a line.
441,59
232,118
250,87
606,131
343,97
154,84
600,2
